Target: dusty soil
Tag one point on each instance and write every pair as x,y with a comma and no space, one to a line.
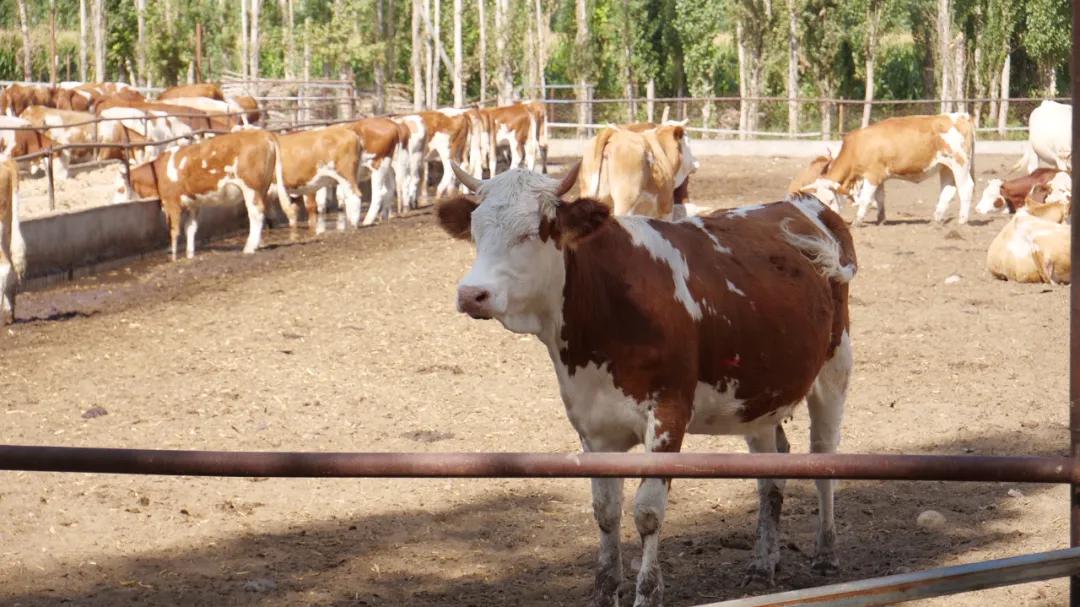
350,342
89,186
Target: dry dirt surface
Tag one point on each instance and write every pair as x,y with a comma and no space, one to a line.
350,342
90,186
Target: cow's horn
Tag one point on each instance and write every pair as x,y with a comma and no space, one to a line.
569,180
466,179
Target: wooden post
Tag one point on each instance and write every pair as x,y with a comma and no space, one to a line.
49,173
840,119
198,51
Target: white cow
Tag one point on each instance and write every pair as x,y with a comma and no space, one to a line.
1049,137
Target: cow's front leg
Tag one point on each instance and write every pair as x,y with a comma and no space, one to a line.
607,508
663,434
864,195
770,501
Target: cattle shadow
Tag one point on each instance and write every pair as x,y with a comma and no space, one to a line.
482,552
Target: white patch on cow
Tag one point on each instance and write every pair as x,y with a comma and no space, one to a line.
1060,188
745,209
203,164
954,142
719,411
644,235
811,208
183,163
170,169
989,196
736,290
600,412
698,223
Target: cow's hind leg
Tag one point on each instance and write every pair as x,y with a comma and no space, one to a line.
8,278
256,208
173,218
191,226
864,195
965,187
948,190
770,502
826,404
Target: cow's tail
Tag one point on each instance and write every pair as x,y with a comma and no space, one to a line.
18,245
829,250
592,163
279,182
1025,158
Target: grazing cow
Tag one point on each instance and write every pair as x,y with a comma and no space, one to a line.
18,138
315,160
1049,137
17,97
249,104
208,90
222,170
1034,246
910,148
1008,196
682,188
516,126
811,173
12,247
67,128
448,138
719,324
226,115
410,160
379,140
636,173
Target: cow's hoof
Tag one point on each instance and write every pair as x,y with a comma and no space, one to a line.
650,596
825,564
758,576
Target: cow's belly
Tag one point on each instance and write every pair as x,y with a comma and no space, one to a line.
720,412
230,192
324,177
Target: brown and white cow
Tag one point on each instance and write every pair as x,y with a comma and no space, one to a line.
811,173
516,127
1008,196
447,138
248,103
380,141
226,115
66,127
910,148
719,324
1035,246
225,169
637,172
313,161
16,97
410,160
12,247
208,90
19,138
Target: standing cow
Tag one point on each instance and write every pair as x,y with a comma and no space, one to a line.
12,247
1049,137
713,325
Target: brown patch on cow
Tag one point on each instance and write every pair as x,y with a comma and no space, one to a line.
575,221
1015,191
813,171
378,136
204,89
455,216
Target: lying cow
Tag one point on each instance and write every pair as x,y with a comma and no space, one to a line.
1008,196
313,161
910,148
720,324
1049,137
12,247
223,170
637,173
1035,246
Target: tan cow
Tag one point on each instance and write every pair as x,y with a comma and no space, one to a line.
225,114
811,173
222,170
12,247
1035,246
410,159
66,128
380,141
516,127
17,97
208,90
249,104
315,160
19,138
910,148
636,173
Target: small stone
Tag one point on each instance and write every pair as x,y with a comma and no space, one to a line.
1015,493
953,279
259,585
930,519
93,412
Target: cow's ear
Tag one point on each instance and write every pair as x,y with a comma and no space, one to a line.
680,132
576,220
1038,194
455,216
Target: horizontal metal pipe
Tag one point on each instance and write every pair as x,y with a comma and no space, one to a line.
539,465
925,584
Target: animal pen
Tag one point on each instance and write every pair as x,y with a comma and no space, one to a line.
878,591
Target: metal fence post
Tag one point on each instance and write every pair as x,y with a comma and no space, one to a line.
49,174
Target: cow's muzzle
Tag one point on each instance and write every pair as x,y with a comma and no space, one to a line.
475,301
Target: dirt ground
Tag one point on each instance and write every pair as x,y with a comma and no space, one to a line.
350,342
89,186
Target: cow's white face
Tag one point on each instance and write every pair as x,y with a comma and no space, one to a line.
689,164
990,198
826,191
518,276
1060,189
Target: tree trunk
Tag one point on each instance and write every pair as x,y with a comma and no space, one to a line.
307,69
429,57
245,54
628,68
741,55
873,18
459,81
581,41
289,58
99,40
1003,107
995,95
482,21
84,42
140,48
793,69
977,87
502,42
541,52
1048,78
528,59
417,73
826,117
944,22
24,26
650,99
256,5
436,50
959,75
52,42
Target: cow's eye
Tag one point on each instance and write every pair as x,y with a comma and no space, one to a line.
524,238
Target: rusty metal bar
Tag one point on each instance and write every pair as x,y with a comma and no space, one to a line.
1074,316
925,584
540,465
49,175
